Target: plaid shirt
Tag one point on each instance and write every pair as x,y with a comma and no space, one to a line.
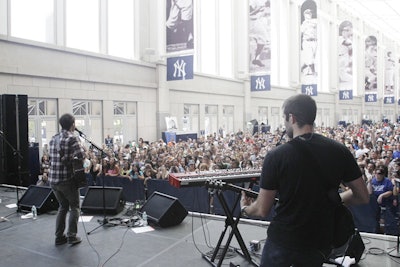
61,168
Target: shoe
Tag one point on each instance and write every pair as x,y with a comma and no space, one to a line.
73,240
61,240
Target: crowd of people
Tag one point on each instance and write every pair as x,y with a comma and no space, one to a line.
375,147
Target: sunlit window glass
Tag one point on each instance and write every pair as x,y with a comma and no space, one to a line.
33,20
207,22
82,24
121,28
225,39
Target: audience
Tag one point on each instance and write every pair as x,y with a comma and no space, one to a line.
376,148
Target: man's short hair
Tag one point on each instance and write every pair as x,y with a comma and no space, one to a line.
303,107
66,121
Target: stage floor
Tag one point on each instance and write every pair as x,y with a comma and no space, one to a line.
28,242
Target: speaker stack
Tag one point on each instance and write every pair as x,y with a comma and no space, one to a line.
41,196
164,210
14,127
93,201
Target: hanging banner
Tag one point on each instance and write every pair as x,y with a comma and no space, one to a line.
389,90
260,36
371,85
345,61
308,48
260,83
180,68
179,25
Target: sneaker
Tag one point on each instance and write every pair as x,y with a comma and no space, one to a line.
73,240
61,240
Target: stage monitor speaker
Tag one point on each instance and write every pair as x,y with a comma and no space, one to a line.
41,196
164,210
354,248
93,201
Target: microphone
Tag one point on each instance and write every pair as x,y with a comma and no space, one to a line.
280,140
80,133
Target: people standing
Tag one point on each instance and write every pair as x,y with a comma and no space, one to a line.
301,232
64,149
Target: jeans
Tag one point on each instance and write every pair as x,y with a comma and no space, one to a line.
68,198
276,256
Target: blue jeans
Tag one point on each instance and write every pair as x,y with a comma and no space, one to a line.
276,256
68,198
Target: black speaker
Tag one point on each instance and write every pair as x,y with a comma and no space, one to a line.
14,125
41,196
164,210
354,248
93,201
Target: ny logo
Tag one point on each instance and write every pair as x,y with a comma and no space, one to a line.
260,83
389,100
346,95
309,90
180,69
370,98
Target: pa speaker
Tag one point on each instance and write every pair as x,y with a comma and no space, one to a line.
164,210
93,202
42,197
354,248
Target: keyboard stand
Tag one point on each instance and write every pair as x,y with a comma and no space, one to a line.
229,222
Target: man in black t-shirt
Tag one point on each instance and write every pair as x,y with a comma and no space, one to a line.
300,175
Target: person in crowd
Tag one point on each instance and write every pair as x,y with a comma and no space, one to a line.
135,172
64,149
112,167
109,142
382,189
44,171
95,168
301,232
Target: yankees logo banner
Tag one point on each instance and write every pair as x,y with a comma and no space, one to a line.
180,68
308,49
260,83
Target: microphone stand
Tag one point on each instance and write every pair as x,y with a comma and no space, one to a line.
105,219
15,153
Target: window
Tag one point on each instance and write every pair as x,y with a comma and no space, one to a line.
211,119
88,115
33,20
42,120
121,28
227,119
82,24
190,117
125,122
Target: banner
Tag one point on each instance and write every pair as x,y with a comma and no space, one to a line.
180,68
371,85
179,25
308,49
260,83
389,91
345,60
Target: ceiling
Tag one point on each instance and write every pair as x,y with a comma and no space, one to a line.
383,15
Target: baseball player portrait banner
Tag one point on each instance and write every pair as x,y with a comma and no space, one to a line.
179,25
260,37
345,60
370,70
308,48
389,89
